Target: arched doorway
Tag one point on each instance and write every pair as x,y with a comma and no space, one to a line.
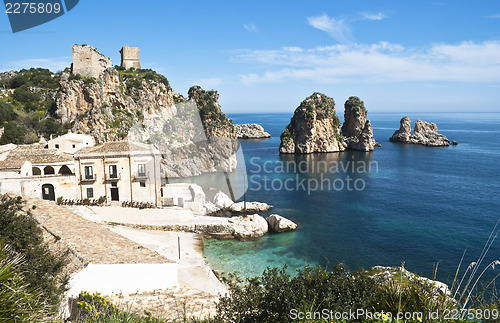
64,170
36,171
48,170
48,192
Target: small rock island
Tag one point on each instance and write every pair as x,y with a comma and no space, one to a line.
250,131
315,127
424,133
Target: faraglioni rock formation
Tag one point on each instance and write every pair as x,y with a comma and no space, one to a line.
357,130
314,127
250,131
424,133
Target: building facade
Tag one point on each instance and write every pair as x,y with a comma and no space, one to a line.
120,171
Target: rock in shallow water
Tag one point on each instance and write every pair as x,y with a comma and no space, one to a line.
249,227
277,223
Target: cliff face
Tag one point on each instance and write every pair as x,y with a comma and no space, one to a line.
424,133
356,130
107,107
194,136
314,127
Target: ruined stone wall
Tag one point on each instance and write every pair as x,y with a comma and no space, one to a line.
130,57
88,62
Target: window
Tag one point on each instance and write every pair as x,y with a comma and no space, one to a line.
143,183
141,170
57,146
73,145
90,192
113,173
88,172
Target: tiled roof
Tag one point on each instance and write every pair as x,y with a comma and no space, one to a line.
11,164
117,146
38,155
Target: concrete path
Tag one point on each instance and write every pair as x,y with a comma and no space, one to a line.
193,270
91,241
146,217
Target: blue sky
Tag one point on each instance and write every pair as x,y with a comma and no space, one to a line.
266,56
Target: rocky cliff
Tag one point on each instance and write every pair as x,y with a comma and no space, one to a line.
108,106
193,134
357,130
314,127
424,133
250,131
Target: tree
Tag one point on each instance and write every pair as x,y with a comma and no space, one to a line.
13,134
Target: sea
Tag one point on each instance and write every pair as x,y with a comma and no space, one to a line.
432,208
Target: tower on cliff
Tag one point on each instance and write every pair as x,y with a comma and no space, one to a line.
87,61
130,57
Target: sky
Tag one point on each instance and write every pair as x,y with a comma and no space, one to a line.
267,56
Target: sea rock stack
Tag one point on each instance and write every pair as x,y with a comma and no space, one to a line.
404,132
424,133
250,131
356,130
314,127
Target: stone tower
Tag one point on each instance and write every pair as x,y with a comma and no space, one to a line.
88,62
130,57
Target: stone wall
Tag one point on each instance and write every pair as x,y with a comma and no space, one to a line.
88,62
130,57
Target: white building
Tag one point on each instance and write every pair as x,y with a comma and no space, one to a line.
71,142
121,171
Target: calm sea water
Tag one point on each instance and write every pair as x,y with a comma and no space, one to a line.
420,205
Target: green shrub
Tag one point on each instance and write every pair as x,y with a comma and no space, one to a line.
13,134
42,269
18,301
6,113
23,94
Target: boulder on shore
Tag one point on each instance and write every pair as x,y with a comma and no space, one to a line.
221,200
357,130
277,223
250,131
257,207
249,227
424,133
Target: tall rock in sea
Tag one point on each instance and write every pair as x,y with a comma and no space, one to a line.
314,127
356,130
404,132
424,133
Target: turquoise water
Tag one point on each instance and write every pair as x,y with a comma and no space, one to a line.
420,205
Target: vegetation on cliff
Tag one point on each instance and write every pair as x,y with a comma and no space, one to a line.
27,106
212,117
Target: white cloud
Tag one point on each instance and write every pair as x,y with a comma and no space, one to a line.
377,63
371,16
250,28
336,28
53,64
494,16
